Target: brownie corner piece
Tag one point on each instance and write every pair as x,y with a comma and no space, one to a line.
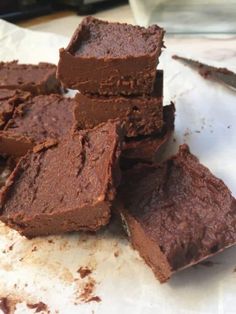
64,186
36,79
177,213
124,56
35,120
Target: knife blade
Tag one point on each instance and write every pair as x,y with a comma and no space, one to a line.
221,75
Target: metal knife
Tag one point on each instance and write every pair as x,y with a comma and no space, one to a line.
221,75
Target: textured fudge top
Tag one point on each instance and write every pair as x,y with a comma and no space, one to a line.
96,38
14,74
8,100
43,117
54,177
187,211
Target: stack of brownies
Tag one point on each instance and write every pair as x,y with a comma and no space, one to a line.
72,160
117,79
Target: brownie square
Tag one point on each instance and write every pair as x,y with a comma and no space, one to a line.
111,58
9,99
36,79
65,186
177,213
148,149
42,117
141,115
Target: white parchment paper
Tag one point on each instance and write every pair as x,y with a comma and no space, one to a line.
45,269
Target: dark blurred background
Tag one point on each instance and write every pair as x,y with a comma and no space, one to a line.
14,10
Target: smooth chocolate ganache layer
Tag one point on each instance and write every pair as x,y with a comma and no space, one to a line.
64,186
111,58
177,213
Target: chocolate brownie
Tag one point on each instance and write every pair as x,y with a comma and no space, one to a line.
65,186
42,117
177,213
111,58
36,79
141,114
148,149
9,99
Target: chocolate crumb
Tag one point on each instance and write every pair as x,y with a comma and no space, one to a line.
84,272
94,299
234,271
87,292
34,249
5,306
50,241
39,307
228,127
11,247
116,253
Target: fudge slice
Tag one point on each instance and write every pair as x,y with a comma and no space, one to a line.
177,213
9,99
65,186
36,79
148,149
142,115
111,58
42,117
